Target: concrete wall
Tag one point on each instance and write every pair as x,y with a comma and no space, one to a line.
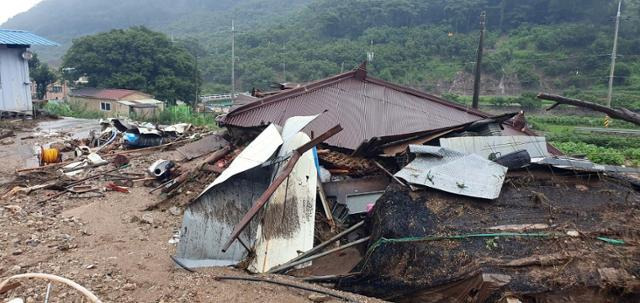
146,112
15,89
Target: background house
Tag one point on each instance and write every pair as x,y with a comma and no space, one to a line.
15,85
55,91
116,102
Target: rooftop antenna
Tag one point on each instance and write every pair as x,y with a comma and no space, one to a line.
613,56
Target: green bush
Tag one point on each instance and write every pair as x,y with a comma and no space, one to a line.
594,153
579,121
529,101
171,115
184,114
65,109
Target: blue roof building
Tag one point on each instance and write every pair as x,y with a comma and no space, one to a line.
15,84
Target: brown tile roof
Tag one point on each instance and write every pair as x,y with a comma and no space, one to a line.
104,93
365,107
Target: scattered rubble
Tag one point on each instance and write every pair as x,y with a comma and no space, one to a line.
470,208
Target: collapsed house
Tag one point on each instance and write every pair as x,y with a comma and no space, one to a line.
457,204
376,188
367,108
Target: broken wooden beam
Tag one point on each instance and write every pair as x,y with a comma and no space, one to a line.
215,156
290,265
320,246
325,205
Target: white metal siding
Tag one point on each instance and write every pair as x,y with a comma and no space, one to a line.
15,91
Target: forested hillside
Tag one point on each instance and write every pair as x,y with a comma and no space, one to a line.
560,45
553,45
63,20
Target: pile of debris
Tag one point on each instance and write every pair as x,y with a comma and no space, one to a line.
472,218
374,188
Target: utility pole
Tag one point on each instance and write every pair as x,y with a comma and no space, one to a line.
195,78
476,81
284,63
233,62
613,56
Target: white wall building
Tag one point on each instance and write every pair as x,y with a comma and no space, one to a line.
15,84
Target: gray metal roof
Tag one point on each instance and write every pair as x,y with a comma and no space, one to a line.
18,37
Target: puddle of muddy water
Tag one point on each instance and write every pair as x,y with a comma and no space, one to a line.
76,128
22,153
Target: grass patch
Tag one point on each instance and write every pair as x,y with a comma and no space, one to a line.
184,114
599,148
65,109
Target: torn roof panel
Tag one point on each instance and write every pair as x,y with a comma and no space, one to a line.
484,146
454,172
256,153
364,106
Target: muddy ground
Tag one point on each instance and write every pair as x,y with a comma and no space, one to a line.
110,244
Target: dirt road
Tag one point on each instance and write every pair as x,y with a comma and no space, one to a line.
108,244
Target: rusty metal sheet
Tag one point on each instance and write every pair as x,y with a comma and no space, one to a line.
366,108
202,147
454,172
209,220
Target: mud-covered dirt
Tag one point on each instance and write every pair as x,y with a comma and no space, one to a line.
564,257
110,244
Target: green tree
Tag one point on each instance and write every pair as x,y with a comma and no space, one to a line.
135,58
42,75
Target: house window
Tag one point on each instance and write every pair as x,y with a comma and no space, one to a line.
106,106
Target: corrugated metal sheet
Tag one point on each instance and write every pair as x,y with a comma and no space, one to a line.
256,153
500,145
18,37
210,219
15,89
583,165
365,108
454,172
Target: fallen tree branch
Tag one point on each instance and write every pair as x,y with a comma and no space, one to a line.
215,156
616,113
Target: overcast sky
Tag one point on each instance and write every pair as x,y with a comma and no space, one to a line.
10,8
